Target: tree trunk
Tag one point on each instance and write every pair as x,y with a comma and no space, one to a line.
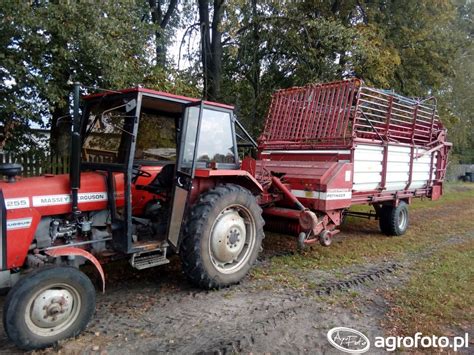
205,43
60,141
160,49
161,20
216,51
211,47
256,67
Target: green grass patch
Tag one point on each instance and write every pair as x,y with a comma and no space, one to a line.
439,297
453,192
364,245
361,241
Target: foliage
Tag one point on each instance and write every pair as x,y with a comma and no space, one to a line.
46,45
170,80
457,93
251,48
402,45
418,35
274,48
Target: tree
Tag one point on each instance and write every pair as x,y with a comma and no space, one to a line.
457,92
409,44
211,47
46,45
271,48
398,44
161,19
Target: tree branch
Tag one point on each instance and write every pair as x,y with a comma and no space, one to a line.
169,12
189,29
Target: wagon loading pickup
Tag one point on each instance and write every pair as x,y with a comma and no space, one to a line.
153,172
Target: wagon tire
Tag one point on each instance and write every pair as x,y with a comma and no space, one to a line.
222,237
393,220
48,305
301,246
325,238
384,219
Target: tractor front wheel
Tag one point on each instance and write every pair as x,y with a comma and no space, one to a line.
222,238
48,305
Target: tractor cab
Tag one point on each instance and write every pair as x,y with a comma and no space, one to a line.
151,144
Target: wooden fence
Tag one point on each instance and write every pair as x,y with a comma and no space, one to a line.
37,164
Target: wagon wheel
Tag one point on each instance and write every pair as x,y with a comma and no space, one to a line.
325,238
393,220
300,243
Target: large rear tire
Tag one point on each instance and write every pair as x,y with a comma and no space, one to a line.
393,220
222,238
48,305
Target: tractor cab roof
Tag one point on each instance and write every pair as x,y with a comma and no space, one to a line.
153,94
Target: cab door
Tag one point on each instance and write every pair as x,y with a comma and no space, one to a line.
186,166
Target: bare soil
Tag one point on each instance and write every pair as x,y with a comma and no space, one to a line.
158,311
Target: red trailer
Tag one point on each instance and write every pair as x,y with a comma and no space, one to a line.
327,147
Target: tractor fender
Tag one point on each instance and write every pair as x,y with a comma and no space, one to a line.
238,177
66,251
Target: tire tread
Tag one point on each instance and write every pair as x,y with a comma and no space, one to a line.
193,233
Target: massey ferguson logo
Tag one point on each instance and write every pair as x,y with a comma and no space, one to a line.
54,200
94,196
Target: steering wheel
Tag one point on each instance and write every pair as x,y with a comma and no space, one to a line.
137,172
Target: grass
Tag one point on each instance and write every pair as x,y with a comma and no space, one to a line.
361,242
439,298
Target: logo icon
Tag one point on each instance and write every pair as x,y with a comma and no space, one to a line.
348,340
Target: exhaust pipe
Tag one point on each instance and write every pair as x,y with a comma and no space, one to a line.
75,165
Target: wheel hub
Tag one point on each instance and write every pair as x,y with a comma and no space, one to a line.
402,219
51,308
228,237
233,237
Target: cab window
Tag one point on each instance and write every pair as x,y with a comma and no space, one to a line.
216,138
156,138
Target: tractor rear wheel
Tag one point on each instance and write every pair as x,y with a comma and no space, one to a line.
48,305
393,220
222,238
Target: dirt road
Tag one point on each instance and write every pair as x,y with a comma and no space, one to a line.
287,305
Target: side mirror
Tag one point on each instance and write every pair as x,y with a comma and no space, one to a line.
131,105
67,119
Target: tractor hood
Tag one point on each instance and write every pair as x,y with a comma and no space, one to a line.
51,194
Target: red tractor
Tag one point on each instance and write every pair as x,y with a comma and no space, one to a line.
168,178
153,172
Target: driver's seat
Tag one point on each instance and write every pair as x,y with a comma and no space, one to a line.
163,182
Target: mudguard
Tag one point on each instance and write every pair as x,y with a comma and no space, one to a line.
66,251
